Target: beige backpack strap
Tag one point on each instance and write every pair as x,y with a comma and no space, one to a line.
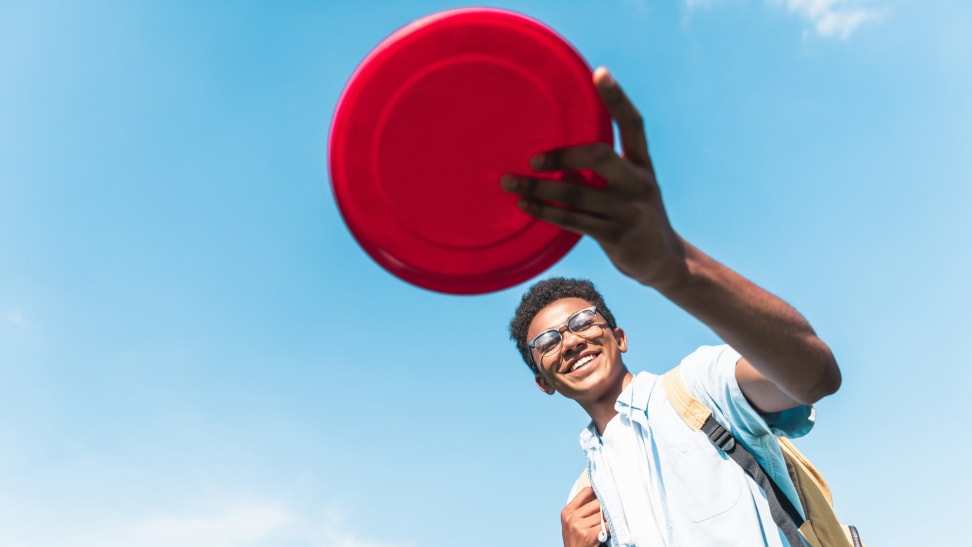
582,482
822,527
688,407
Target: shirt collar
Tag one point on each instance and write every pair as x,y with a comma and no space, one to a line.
631,403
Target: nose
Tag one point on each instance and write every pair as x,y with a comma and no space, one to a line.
571,341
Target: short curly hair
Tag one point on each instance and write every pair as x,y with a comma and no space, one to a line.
544,293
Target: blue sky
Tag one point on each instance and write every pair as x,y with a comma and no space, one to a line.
194,351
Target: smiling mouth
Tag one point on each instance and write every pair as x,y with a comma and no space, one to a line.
581,363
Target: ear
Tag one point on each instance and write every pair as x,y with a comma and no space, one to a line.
621,338
544,385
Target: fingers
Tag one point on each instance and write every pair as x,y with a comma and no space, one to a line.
606,213
574,195
571,206
584,498
576,221
599,157
585,210
631,125
581,520
581,532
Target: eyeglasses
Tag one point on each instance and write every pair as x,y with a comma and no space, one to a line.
581,322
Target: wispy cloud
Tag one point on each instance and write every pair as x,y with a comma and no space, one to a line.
838,18
251,523
830,18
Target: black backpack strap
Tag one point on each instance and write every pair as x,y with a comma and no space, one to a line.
785,515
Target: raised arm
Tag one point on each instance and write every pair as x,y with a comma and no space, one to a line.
784,363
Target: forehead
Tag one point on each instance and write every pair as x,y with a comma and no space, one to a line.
555,314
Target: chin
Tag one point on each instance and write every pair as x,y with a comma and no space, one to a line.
591,386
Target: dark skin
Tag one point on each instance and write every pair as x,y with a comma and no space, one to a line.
784,363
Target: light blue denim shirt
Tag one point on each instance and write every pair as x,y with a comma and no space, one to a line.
702,497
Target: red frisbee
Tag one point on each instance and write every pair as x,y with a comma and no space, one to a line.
429,122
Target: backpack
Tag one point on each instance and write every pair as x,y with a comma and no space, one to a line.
821,528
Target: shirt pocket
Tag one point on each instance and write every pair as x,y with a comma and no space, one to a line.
706,483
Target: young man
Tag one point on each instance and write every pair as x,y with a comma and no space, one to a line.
657,481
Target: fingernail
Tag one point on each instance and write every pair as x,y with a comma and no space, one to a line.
508,182
536,162
605,75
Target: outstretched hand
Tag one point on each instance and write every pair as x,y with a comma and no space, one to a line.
626,217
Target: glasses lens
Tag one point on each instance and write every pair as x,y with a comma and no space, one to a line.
582,321
547,342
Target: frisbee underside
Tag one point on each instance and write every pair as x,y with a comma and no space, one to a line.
426,127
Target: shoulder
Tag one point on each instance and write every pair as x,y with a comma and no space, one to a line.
710,368
710,355
710,374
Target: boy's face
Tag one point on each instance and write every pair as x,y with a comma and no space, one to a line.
585,366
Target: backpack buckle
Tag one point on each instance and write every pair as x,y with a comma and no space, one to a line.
719,435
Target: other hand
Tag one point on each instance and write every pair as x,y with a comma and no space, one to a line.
580,520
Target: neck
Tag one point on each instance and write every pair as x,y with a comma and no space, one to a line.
601,410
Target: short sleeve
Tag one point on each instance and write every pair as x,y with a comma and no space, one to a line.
710,373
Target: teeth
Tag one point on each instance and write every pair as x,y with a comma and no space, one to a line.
581,362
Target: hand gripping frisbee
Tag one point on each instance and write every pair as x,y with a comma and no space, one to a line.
427,125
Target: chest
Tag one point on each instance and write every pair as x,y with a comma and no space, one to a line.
655,476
